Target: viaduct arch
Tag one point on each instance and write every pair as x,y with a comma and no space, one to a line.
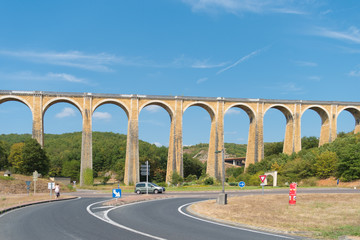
38,102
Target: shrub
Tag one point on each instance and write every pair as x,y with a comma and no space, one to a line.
176,179
209,181
88,177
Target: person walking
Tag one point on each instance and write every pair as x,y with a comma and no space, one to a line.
57,190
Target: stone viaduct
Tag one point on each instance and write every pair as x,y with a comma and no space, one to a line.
87,103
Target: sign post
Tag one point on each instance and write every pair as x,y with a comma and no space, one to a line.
145,171
262,178
51,186
28,186
292,194
35,177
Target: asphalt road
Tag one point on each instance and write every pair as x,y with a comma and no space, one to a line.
86,218
162,219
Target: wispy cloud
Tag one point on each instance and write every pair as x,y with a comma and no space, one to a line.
286,88
306,64
66,112
350,35
244,6
100,62
102,115
65,77
30,76
158,144
153,108
291,88
232,111
201,80
252,54
189,62
314,78
354,73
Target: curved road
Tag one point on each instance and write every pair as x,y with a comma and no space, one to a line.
86,218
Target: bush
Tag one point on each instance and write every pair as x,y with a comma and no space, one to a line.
176,179
309,182
88,177
105,180
209,181
191,178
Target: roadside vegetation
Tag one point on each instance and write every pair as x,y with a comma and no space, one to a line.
61,157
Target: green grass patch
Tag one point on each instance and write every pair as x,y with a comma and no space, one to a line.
336,232
6,178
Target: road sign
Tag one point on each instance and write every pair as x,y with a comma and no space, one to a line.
51,185
35,175
116,193
262,178
241,184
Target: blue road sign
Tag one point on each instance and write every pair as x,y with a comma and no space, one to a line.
241,184
116,193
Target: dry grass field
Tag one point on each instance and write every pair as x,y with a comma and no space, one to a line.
325,216
14,200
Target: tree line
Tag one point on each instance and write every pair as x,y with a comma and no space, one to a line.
61,156
62,153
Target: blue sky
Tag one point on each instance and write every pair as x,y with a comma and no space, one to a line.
272,49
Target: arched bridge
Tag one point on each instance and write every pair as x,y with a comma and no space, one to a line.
87,103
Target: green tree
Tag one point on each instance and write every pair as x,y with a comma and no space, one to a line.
309,142
71,169
326,164
3,156
176,179
34,158
192,166
273,148
16,156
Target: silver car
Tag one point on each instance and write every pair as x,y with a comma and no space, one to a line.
140,187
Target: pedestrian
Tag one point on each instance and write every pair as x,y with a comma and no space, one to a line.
57,190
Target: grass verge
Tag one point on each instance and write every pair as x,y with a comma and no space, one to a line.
325,216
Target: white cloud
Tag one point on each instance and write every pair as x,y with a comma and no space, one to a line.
306,64
66,112
314,78
201,80
153,108
30,76
350,35
232,111
241,60
102,115
354,73
187,62
158,144
291,87
243,6
66,77
100,62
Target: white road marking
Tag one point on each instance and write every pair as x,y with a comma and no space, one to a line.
225,225
103,207
108,220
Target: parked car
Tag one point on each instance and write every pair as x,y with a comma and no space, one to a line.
140,187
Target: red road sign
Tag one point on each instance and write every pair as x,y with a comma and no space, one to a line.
262,178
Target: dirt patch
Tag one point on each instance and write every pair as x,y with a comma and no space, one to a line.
314,215
17,185
332,182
